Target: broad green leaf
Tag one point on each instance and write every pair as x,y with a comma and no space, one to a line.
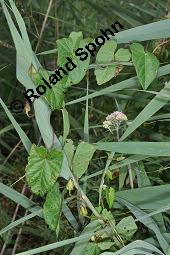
106,245
82,157
91,249
123,55
146,64
105,74
43,169
76,37
81,245
55,97
106,52
110,196
69,150
80,71
67,48
52,207
105,55
108,216
126,228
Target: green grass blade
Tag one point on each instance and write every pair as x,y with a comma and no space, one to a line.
126,84
155,149
20,221
155,30
18,198
25,140
148,222
154,105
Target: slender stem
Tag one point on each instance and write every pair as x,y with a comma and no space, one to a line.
110,64
161,44
109,160
85,198
43,25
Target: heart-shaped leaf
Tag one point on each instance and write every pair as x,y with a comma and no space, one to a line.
82,157
105,55
123,55
146,64
43,168
52,207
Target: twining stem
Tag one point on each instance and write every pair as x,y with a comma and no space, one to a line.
109,160
85,198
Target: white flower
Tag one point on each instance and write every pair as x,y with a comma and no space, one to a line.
107,124
114,120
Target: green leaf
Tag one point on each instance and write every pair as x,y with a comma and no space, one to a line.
126,228
146,64
55,97
108,216
110,196
69,150
123,55
67,48
43,168
91,249
105,55
105,74
52,207
82,157
106,52
81,245
106,245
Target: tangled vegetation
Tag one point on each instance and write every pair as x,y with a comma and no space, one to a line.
85,167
